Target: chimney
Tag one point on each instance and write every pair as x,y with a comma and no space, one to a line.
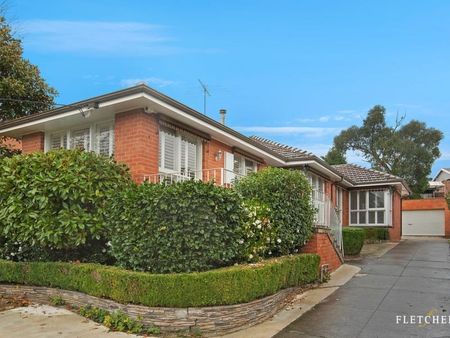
222,113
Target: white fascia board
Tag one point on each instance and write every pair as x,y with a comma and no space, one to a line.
211,127
68,113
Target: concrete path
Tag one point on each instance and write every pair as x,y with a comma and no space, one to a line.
42,321
301,304
411,279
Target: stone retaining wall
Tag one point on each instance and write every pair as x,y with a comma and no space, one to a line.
209,320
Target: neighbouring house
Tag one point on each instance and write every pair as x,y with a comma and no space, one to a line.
442,179
160,139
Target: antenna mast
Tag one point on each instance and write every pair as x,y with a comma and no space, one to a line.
205,93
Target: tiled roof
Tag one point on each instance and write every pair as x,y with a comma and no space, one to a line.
287,152
360,175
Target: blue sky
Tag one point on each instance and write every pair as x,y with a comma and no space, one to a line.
294,71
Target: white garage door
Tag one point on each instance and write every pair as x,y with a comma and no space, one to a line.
423,223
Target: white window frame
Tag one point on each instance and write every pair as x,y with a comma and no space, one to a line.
387,208
178,145
93,133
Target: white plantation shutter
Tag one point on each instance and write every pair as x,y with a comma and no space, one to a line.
81,139
191,152
58,141
168,151
105,140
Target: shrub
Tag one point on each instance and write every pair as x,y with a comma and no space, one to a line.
257,232
117,320
287,194
181,227
56,200
353,239
372,235
231,285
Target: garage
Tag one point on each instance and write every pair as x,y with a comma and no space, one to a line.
423,223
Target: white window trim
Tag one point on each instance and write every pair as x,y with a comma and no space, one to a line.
387,209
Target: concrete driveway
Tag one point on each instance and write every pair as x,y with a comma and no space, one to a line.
411,279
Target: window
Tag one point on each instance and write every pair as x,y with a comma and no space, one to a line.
97,137
58,140
243,166
369,207
180,152
80,139
105,139
318,197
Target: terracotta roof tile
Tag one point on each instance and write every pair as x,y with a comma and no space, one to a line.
286,152
360,175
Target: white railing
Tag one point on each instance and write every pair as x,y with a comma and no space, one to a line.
327,216
219,176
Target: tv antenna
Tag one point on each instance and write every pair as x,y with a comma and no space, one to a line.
205,93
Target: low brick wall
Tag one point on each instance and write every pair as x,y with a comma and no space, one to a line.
322,245
209,320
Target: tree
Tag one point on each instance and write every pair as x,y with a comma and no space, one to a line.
406,150
335,156
22,89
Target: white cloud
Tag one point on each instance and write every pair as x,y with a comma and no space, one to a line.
306,131
151,81
324,118
96,37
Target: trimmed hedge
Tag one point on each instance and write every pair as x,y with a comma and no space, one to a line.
58,199
376,234
181,227
353,239
231,285
287,195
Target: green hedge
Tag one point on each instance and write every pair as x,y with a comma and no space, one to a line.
353,239
287,196
58,199
231,285
181,227
376,234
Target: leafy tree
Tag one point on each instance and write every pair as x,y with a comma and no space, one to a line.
406,150
335,156
22,89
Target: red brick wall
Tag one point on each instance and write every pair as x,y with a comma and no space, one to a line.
209,161
321,244
430,204
11,143
136,140
425,204
33,142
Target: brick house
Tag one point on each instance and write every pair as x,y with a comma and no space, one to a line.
162,139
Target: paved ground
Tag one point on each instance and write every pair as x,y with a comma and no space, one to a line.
50,322
411,279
